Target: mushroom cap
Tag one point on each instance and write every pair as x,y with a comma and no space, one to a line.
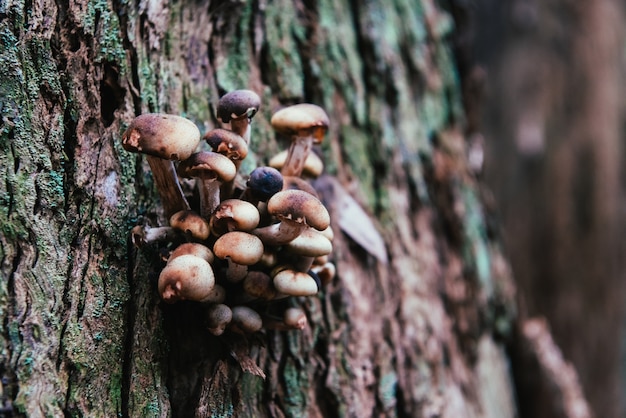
259,285
313,165
164,136
239,247
207,165
192,248
217,317
227,143
234,215
295,318
295,283
191,223
299,206
246,319
264,182
238,104
186,277
309,243
302,119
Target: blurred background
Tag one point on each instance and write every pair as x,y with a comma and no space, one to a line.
544,84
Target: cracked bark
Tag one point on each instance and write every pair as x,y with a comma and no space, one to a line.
84,332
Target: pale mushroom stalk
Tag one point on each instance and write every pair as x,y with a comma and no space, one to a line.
280,233
297,154
241,127
168,186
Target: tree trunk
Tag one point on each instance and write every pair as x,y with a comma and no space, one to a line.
412,329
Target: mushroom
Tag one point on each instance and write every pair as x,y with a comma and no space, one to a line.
241,250
246,320
326,272
295,283
234,215
295,210
211,170
218,316
192,248
142,235
293,318
297,183
306,124
313,165
230,145
193,225
259,285
263,183
163,138
306,246
186,277
238,108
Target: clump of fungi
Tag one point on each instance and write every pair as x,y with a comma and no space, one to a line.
253,242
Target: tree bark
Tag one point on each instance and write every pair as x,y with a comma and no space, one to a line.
414,328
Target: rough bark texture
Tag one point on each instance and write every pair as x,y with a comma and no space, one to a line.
84,332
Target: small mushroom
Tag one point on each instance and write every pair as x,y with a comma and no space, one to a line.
234,215
306,124
238,108
241,250
192,248
326,272
218,316
263,183
142,235
259,285
186,278
295,318
313,165
211,170
230,145
295,283
191,224
245,320
295,210
163,138
306,246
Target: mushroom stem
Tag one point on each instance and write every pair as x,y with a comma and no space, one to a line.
236,272
241,127
280,233
166,180
209,196
296,156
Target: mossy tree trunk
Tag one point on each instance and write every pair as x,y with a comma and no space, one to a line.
412,333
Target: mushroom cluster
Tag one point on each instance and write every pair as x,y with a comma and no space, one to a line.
254,243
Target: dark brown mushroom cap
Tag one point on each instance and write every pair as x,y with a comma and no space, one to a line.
302,119
164,136
207,165
240,247
238,104
264,182
299,206
227,143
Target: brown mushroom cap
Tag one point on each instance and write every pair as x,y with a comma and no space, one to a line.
302,119
207,165
217,317
309,243
164,136
299,206
192,248
186,278
246,319
227,143
295,283
191,223
234,215
238,104
295,318
240,247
